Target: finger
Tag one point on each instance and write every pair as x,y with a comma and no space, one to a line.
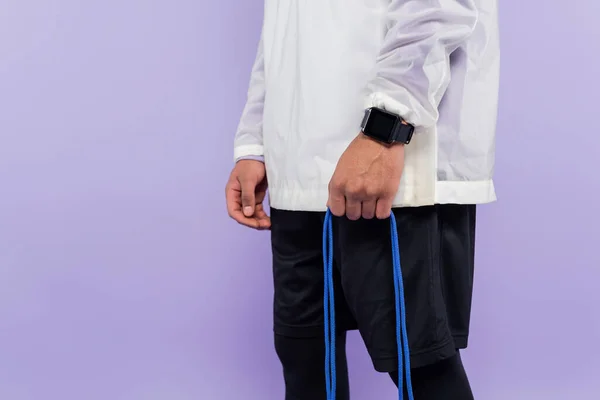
232,184
234,208
248,197
384,208
241,219
233,197
337,201
353,209
264,221
368,209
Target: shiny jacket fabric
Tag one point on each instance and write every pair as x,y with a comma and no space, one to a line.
320,63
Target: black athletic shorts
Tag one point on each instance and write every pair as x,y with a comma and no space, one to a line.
436,252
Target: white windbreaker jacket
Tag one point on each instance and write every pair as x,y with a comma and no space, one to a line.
320,63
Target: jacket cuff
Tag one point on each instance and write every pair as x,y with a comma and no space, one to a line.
247,150
254,158
385,102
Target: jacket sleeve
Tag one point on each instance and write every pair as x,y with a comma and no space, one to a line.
413,67
248,138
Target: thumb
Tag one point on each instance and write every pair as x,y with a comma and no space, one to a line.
248,197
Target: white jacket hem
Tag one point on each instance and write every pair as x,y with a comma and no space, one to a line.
465,192
288,197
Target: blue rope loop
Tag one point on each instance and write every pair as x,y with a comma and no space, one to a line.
329,312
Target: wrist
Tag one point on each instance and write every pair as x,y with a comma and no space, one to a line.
385,145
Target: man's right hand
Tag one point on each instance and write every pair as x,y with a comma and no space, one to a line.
245,192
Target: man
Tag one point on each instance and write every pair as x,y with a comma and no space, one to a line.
322,67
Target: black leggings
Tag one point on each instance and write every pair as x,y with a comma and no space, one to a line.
302,360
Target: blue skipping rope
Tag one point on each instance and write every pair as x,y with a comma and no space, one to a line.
329,312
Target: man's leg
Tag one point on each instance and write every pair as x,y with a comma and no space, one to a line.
443,380
303,365
296,241
430,245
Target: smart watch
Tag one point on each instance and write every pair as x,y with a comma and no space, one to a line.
386,127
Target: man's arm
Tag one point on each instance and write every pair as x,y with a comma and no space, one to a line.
413,66
248,139
410,77
247,185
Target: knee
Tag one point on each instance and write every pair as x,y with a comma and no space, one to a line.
300,353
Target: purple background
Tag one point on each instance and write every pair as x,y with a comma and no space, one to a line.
122,277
